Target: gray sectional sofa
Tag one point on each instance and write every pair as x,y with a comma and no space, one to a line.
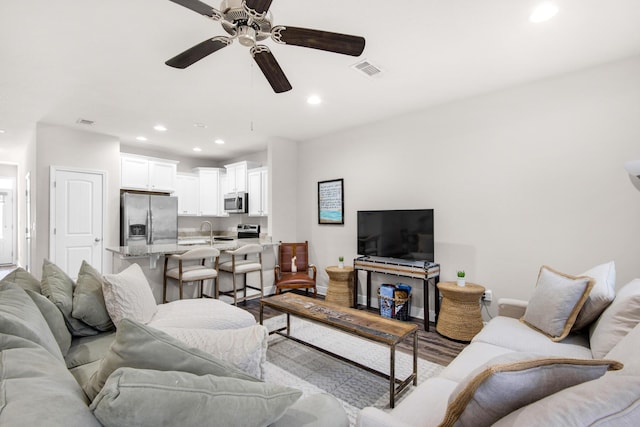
55,375
515,373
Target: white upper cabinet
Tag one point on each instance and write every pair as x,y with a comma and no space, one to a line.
147,173
237,176
188,192
258,187
210,191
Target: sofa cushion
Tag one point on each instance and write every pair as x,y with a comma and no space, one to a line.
58,287
316,410
85,350
128,295
139,346
151,398
601,295
37,389
617,320
626,352
470,358
24,279
20,316
201,313
246,347
514,380
556,302
88,299
512,334
612,400
54,319
435,391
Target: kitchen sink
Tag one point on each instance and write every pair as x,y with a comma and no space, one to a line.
191,242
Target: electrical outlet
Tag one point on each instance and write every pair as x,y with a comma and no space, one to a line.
487,295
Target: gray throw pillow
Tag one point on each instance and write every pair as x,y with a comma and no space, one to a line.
141,397
24,279
139,346
88,299
58,287
54,319
511,381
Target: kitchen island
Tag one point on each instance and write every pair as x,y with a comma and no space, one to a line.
151,259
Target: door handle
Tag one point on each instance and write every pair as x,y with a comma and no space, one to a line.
97,239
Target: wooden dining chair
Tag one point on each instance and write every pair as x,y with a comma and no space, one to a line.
298,275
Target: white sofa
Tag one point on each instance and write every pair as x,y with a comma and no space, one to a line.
612,399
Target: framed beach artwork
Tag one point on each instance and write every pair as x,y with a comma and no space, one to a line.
331,202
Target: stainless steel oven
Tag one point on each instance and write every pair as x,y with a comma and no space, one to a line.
236,202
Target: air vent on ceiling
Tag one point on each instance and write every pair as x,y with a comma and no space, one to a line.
85,122
366,67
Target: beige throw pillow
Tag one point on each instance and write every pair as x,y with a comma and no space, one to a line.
556,302
603,292
140,397
514,380
128,295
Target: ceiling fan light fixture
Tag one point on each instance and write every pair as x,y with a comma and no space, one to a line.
246,36
543,12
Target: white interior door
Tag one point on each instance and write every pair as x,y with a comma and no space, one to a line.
77,215
7,226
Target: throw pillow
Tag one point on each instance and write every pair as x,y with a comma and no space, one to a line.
54,319
19,316
58,287
24,279
617,320
514,380
144,397
612,400
246,348
556,302
88,299
139,346
128,295
603,292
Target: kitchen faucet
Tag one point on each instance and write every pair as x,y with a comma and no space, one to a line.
202,224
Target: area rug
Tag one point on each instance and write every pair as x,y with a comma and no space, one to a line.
292,364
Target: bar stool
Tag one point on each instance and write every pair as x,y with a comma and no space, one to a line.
240,264
191,273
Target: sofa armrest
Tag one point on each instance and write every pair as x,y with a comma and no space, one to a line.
510,307
374,417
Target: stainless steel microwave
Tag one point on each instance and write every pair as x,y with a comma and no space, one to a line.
236,202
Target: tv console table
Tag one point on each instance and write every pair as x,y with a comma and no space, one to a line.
423,270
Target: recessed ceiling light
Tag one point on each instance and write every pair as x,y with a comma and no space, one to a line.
141,138
219,141
314,100
2,131
543,12
160,128
197,149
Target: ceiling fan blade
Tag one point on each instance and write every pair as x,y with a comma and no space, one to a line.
259,6
316,39
199,51
270,68
198,7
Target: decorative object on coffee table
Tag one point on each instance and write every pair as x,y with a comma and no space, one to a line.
460,317
340,286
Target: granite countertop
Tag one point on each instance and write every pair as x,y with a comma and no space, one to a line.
176,248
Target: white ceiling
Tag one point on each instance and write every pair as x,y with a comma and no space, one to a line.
104,61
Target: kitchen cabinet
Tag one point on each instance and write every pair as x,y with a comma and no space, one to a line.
210,191
147,173
188,192
237,176
258,187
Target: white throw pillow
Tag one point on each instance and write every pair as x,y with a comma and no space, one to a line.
556,302
128,295
603,292
617,320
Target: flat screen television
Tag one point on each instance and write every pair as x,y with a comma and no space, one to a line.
405,234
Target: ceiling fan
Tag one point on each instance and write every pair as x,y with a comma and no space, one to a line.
250,22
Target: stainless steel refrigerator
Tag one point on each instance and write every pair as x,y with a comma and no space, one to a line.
148,219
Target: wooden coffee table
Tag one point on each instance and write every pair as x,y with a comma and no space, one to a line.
356,322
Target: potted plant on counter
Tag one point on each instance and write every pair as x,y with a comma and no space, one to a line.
461,279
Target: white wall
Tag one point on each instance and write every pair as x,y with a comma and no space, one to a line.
519,178
67,147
